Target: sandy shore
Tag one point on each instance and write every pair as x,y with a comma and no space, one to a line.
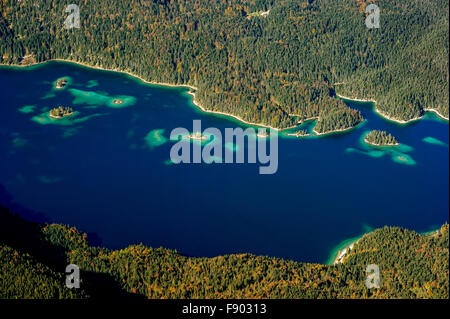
346,250
343,253
437,113
396,120
332,132
320,134
104,69
60,117
387,116
234,116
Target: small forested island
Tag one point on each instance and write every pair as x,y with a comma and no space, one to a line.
262,134
60,112
380,138
196,136
35,255
301,133
118,101
61,83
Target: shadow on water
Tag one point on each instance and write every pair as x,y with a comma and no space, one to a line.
7,200
22,230
38,217
27,237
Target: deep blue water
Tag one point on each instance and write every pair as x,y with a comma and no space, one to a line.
99,174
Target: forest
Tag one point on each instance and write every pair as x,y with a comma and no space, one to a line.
380,138
278,69
60,111
33,257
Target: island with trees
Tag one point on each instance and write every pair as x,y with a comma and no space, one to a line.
298,133
337,120
60,112
263,134
61,83
380,138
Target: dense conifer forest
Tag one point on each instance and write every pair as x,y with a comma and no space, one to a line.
277,69
33,258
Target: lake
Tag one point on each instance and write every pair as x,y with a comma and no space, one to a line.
106,170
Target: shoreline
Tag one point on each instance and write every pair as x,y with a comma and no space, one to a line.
437,113
196,103
61,117
342,250
223,113
340,257
297,135
396,120
338,252
384,115
199,106
102,69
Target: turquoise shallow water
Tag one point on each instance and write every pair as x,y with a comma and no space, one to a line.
107,170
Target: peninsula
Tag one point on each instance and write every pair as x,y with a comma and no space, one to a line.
275,84
380,138
60,112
